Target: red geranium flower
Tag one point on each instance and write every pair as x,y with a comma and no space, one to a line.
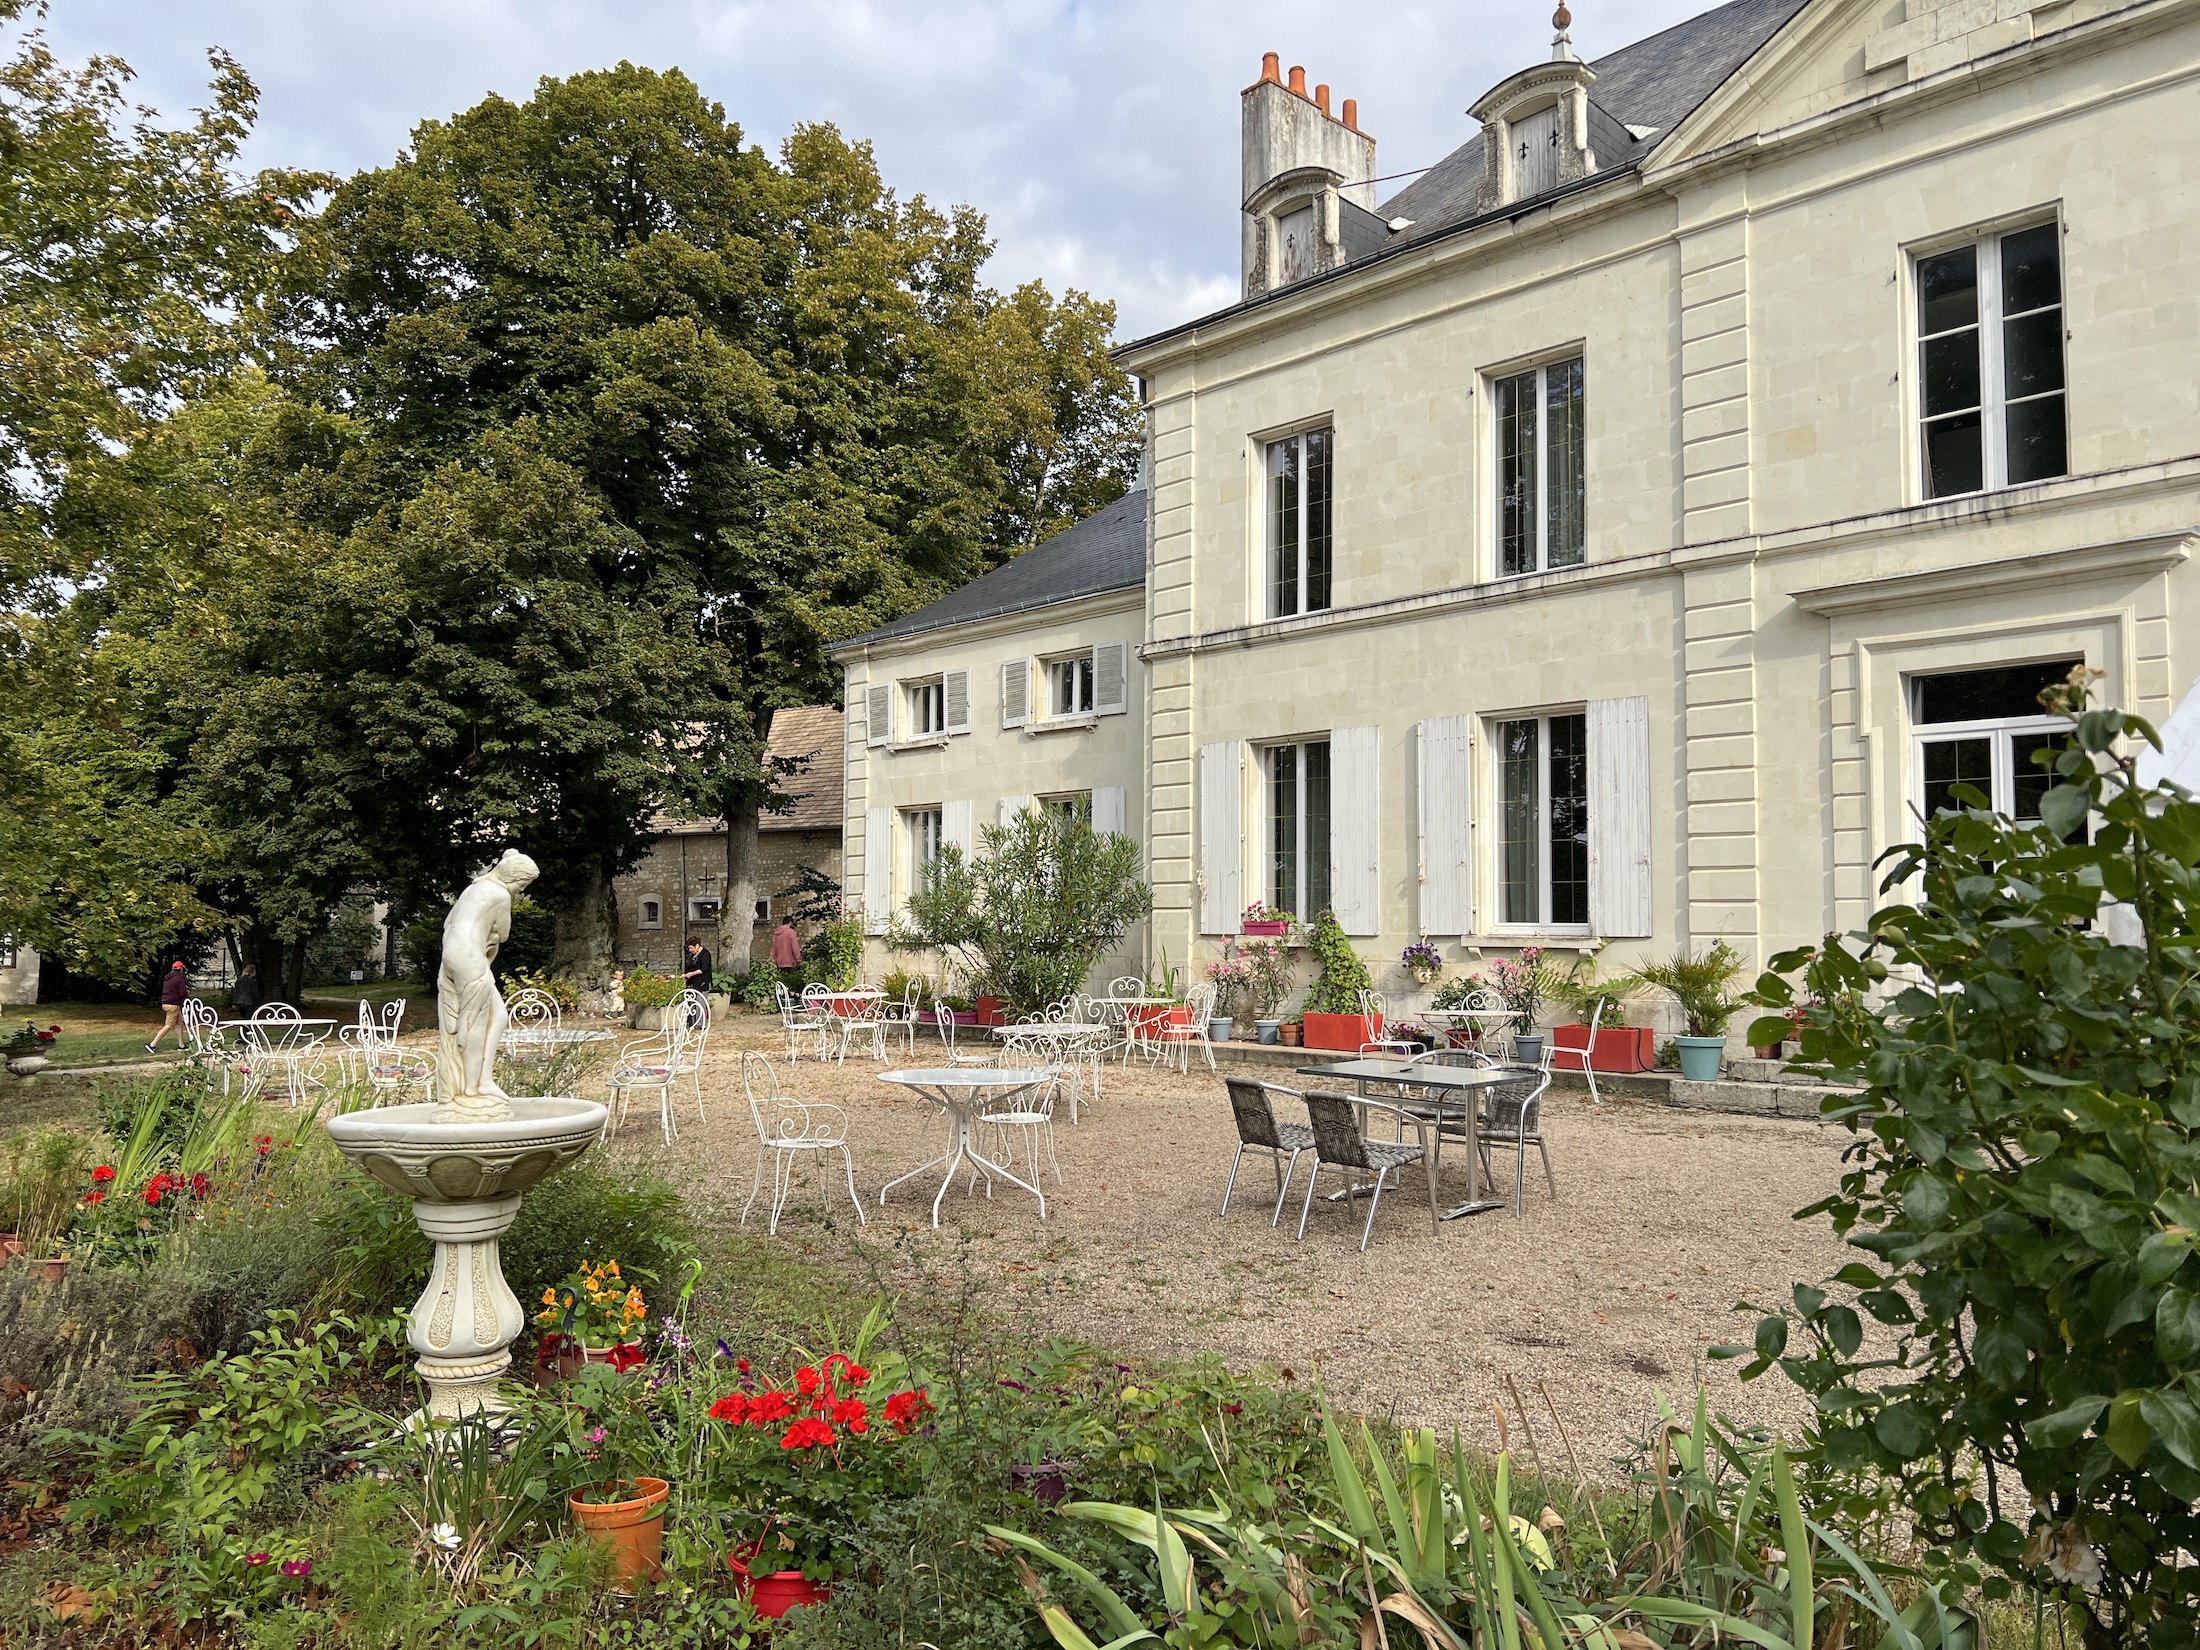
263,1143
103,1174
905,1409
806,1381
733,1407
767,1407
624,1358
157,1187
807,1433
853,1414
201,1184
852,1374
95,1197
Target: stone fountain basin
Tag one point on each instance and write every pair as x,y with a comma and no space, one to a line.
417,1151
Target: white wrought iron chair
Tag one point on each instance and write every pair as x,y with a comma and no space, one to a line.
944,1018
277,1045
1174,1040
905,1014
694,1008
648,1064
1556,1058
1025,1119
859,1017
799,1024
1375,1008
202,1030
531,1027
785,1130
395,1075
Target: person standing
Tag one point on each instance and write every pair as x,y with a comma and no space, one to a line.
175,985
245,995
787,953
699,967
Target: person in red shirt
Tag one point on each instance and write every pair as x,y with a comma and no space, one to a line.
175,985
787,953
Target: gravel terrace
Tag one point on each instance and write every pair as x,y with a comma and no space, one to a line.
1667,1218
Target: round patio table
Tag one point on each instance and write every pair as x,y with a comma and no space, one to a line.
1075,1041
962,1092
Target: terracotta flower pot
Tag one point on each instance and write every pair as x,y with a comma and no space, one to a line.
634,1530
775,1592
55,1267
1289,1033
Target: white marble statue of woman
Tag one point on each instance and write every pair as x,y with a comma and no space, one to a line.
468,1006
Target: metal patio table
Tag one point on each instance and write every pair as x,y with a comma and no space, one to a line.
1448,1090
962,1092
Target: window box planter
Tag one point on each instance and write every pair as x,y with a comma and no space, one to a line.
963,1016
1263,929
1342,1031
1618,1048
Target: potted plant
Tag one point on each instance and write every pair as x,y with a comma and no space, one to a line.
1423,961
1332,1014
1227,974
609,1433
593,1316
1521,983
1267,982
29,1049
1290,1030
647,994
1259,922
1701,986
816,1454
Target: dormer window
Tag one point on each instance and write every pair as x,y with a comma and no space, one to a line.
1297,239
1535,126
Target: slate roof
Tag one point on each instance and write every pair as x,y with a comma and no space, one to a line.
1106,551
1653,85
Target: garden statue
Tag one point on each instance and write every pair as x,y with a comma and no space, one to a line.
469,1009
465,1158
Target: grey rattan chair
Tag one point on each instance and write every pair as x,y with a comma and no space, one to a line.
1338,1143
1257,1127
1512,1115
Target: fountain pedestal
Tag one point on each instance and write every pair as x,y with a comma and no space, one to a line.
465,1179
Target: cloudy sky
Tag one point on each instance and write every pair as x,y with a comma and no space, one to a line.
1100,139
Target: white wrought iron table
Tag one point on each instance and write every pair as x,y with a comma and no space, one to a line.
1448,1091
962,1092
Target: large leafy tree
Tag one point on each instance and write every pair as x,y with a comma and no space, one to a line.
787,384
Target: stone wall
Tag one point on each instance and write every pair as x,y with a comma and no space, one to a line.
659,876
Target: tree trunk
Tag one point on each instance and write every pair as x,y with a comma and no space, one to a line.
294,972
263,948
587,933
737,916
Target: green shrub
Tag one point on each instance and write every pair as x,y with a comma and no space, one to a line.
532,943
760,988
2022,1181
646,988
120,1102
421,940
1343,976
840,951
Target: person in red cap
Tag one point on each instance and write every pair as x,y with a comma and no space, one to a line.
174,987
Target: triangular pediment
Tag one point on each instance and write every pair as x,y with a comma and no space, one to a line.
1817,61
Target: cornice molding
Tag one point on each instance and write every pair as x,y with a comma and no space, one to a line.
1131,598
2155,553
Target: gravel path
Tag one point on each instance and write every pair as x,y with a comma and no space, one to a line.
1666,1219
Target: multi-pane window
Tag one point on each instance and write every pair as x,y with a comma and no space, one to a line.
652,914
1298,827
1070,685
924,845
1298,523
927,707
1069,804
1543,820
1983,728
1542,489
1990,362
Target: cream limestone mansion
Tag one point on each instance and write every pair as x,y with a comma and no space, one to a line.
1625,531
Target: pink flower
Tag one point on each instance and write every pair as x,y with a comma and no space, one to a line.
257,1558
596,1436
297,1567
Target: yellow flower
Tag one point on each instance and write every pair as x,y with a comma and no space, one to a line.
612,1267
550,1297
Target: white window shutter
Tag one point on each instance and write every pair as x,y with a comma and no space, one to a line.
955,826
1015,692
1447,837
1354,829
878,714
955,690
1221,837
878,869
1107,810
1006,810
1620,905
1110,678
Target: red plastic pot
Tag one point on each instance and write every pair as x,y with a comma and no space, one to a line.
773,1594
990,1012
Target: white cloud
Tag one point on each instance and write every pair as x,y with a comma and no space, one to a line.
1100,139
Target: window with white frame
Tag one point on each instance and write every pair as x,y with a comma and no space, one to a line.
1298,827
8,958
703,910
1983,728
1069,685
1990,362
1069,804
764,910
1543,821
925,836
653,914
1299,485
1542,481
927,700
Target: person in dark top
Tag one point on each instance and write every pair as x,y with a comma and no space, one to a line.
175,985
699,968
245,996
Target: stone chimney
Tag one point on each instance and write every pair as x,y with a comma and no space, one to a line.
1302,164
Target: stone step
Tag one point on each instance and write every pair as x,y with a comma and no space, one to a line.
1770,1071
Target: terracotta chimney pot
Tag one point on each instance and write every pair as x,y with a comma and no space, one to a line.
1298,79
1352,114
1321,98
1271,67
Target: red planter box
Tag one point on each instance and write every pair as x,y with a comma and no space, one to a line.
1264,930
1345,1031
1151,1017
990,1012
1618,1048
